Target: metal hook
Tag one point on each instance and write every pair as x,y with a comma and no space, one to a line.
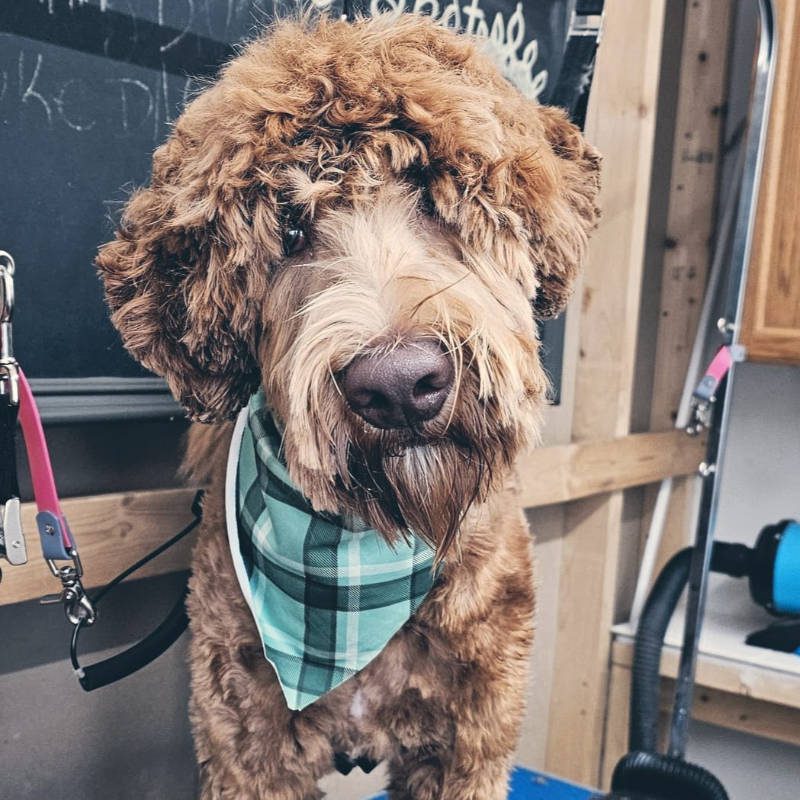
9,369
78,606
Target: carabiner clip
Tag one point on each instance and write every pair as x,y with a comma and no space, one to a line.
78,607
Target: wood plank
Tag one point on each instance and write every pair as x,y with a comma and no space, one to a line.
731,710
771,321
691,215
615,739
690,228
569,472
112,531
741,713
621,123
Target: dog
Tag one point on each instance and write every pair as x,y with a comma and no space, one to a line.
365,221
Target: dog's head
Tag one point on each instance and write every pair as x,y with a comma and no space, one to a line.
367,220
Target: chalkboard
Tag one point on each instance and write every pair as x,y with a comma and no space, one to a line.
88,89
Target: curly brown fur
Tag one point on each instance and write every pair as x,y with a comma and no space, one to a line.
438,203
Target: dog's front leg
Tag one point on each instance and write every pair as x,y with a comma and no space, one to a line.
249,745
474,765
461,747
456,730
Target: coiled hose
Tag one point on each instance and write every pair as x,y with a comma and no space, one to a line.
644,772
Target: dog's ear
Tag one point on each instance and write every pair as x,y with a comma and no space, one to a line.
183,275
557,187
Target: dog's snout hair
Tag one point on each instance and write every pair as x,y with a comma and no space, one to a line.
377,276
436,202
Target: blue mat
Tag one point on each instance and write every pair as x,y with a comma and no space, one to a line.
528,785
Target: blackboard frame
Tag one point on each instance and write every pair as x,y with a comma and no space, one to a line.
72,400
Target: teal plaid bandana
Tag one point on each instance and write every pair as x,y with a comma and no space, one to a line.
327,594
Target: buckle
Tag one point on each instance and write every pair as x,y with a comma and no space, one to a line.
12,540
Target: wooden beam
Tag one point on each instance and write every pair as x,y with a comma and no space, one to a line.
112,531
615,740
569,472
621,124
690,228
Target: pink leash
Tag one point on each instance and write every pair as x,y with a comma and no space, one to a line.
57,541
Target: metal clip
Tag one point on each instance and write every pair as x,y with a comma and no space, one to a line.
12,541
78,608
9,369
701,416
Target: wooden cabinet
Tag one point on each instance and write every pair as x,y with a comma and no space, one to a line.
771,317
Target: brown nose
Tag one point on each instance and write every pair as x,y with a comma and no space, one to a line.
407,385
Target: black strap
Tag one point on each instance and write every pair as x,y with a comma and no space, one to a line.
9,486
139,655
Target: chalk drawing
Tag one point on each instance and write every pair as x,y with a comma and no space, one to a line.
31,93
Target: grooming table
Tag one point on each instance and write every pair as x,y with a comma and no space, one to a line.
529,785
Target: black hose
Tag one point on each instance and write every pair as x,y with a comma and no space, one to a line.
734,560
658,610
652,776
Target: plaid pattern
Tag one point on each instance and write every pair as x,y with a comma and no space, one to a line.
327,594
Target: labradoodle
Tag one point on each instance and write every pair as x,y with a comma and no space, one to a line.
361,223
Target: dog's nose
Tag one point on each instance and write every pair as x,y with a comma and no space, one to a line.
408,384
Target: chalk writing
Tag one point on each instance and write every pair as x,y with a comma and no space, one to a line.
74,88
31,93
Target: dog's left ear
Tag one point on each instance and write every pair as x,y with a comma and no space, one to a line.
556,191
184,272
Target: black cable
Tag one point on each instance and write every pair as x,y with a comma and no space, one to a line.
154,644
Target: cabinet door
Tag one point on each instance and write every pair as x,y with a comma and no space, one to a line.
771,319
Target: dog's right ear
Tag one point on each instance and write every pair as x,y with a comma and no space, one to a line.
185,276
561,218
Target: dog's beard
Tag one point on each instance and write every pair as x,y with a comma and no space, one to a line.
404,482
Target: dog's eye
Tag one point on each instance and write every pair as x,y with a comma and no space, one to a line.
294,241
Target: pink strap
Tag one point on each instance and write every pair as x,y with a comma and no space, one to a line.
720,365
44,484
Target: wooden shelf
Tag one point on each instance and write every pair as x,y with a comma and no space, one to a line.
742,688
725,662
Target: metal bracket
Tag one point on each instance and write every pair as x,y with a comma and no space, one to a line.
586,25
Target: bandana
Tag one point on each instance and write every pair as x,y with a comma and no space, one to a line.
326,593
